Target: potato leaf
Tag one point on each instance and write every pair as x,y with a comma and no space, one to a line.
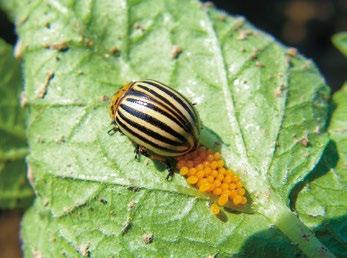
326,191
340,41
265,104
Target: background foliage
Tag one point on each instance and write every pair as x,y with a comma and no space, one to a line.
14,188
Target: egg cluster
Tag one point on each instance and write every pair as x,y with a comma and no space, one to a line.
207,172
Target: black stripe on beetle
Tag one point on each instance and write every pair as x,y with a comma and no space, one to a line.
152,120
162,98
157,118
142,138
162,112
160,104
149,132
182,101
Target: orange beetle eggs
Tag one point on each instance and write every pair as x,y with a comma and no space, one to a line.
206,171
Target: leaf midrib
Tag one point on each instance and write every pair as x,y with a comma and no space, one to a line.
230,105
225,87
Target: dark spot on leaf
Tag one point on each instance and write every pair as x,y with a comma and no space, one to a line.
323,251
254,54
43,90
289,61
126,227
292,52
115,51
84,250
306,237
244,34
103,201
222,216
239,23
134,188
61,140
45,202
304,141
104,98
279,91
131,205
138,26
61,46
175,52
88,42
148,238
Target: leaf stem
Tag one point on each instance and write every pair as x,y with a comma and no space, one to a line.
301,235
14,154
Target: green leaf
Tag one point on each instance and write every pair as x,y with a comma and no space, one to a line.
266,105
326,192
9,7
15,191
340,42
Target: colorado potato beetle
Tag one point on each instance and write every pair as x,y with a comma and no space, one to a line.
160,121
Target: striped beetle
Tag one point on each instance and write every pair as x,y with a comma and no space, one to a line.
160,121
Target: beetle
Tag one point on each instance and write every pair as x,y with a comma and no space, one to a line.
160,121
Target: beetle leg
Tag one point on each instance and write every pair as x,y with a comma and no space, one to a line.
170,167
112,131
114,128
139,150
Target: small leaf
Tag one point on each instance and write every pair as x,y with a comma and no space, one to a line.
259,100
322,203
14,188
340,42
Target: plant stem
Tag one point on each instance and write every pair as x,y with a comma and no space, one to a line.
14,154
296,231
